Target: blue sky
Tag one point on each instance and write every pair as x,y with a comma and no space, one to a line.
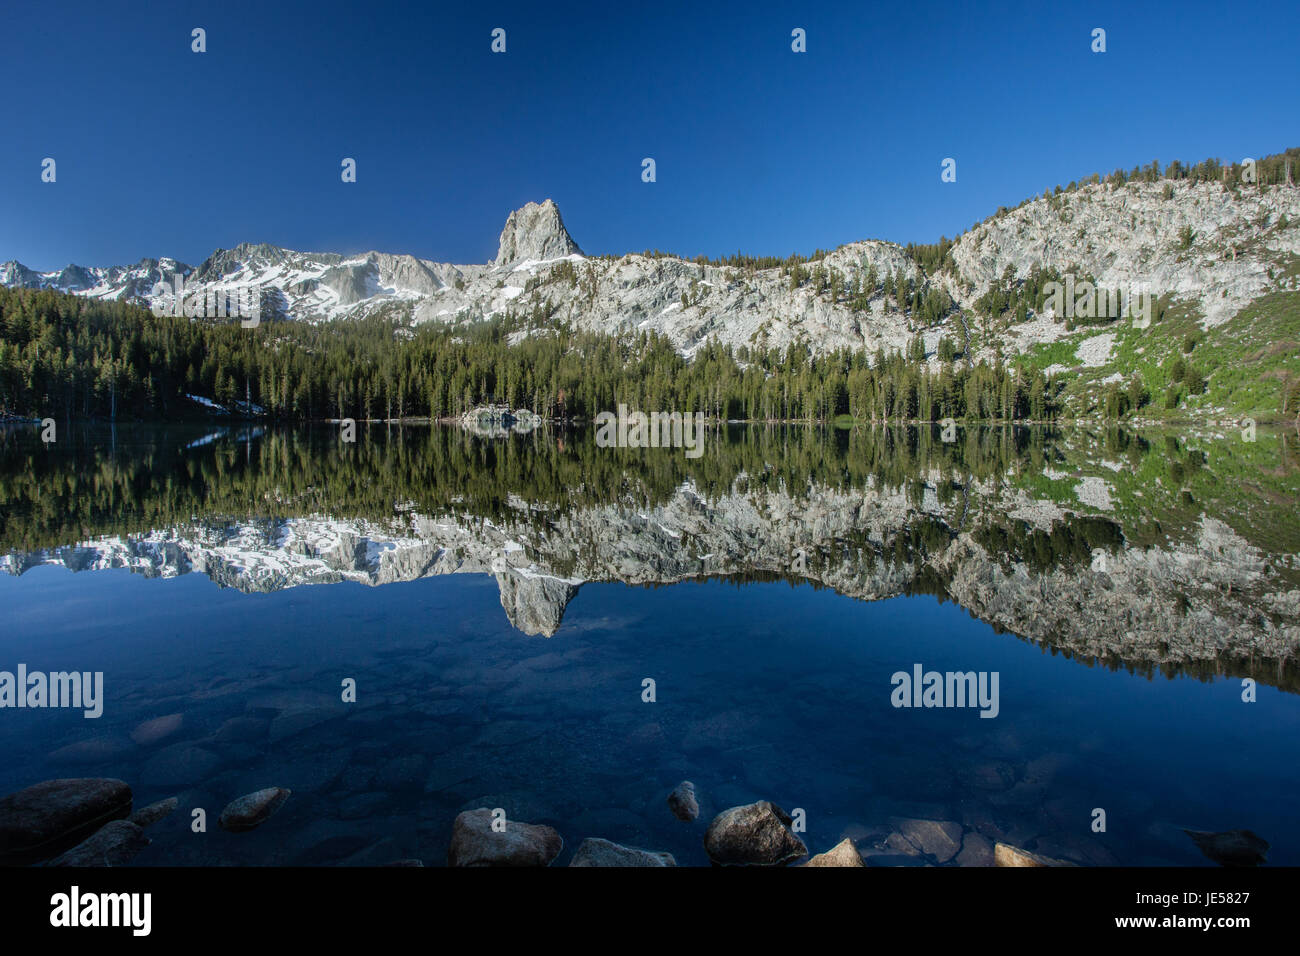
162,151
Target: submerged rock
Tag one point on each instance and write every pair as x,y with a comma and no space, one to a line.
112,845
940,839
900,844
475,843
147,816
252,810
1231,847
757,834
97,750
152,731
597,852
887,856
179,765
297,719
49,817
241,730
682,802
843,853
976,850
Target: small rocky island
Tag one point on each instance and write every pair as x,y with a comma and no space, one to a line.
497,421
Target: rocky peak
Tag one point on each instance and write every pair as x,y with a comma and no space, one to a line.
535,232
13,273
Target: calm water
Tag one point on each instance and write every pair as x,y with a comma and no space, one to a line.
500,603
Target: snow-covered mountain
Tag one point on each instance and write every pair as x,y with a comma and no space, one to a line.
113,282
1241,243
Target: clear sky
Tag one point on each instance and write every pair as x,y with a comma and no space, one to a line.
163,151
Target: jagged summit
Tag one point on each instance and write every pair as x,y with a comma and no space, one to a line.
535,232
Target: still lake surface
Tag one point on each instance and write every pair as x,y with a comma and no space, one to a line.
499,603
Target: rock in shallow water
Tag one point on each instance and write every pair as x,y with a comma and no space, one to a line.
49,817
112,845
152,731
97,750
682,802
1006,855
976,850
757,834
940,839
179,765
843,853
253,809
147,816
475,843
597,852
1231,847
241,730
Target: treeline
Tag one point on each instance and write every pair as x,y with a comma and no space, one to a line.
1273,170
930,258
67,357
1269,171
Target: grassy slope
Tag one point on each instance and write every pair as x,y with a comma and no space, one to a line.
1244,360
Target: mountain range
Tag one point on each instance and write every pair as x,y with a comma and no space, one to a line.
1213,248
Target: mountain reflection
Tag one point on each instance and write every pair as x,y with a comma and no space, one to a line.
1156,552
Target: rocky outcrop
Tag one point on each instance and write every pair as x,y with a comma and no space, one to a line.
535,231
1141,223
49,817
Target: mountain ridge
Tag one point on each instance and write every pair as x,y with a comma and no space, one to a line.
1216,246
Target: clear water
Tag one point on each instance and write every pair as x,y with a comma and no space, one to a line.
765,689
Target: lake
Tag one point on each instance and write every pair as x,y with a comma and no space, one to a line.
567,631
